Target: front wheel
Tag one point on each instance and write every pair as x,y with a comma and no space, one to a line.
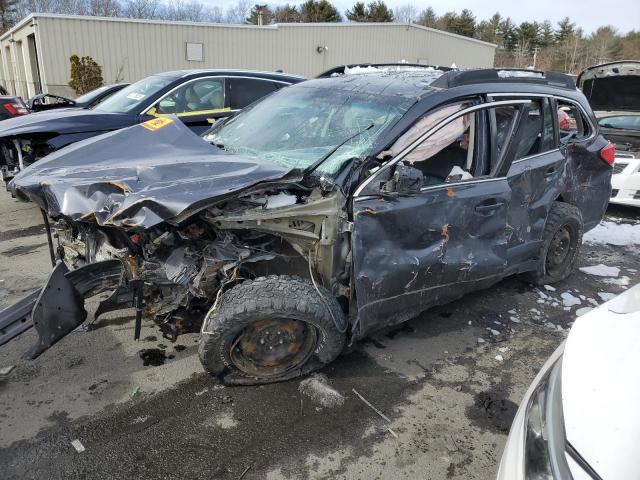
271,329
561,243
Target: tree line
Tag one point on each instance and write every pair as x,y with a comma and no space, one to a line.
563,46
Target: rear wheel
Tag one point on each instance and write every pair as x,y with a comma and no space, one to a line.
561,243
271,329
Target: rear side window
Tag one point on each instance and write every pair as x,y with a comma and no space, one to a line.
535,132
572,123
244,91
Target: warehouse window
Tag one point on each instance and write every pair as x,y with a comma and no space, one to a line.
195,52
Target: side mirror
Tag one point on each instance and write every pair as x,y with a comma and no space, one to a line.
405,180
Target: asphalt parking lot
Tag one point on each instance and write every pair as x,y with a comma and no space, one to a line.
449,381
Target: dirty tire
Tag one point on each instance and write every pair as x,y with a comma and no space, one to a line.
255,302
564,228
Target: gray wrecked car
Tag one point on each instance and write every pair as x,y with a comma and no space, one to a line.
319,214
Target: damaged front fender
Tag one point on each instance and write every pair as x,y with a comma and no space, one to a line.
57,308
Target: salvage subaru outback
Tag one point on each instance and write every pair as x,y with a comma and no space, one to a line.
319,214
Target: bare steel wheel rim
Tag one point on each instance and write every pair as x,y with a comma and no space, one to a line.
273,346
560,250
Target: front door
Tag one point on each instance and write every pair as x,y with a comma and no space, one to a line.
444,236
197,103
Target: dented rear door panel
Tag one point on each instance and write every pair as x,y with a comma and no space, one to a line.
536,184
412,252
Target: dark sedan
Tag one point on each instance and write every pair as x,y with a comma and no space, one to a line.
197,97
47,101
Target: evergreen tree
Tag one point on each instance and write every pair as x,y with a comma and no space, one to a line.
318,11
547,37
565,30
377,11
286,14
428,18
260,10
465,24
358,13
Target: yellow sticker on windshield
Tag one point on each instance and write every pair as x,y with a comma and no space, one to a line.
156,123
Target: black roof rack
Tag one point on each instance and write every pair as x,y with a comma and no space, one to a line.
339,70
456,78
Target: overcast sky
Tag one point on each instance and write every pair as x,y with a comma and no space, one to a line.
589,14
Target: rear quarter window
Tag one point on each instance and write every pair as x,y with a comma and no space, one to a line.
572,123
244,91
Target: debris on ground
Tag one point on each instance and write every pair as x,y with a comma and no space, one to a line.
549,288
77,444
317,388
499,358
583,310
135,392
244,472
5,371
601,270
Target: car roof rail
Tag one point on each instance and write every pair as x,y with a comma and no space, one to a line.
457,78
340,69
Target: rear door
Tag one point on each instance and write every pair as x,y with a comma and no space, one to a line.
448,235
537,166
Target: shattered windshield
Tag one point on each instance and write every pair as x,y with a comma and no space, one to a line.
296,127
132,96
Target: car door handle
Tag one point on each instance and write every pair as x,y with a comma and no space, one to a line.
489,206
550,172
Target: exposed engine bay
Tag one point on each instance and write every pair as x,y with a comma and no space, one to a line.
183,269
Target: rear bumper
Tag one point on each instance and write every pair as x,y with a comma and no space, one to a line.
58,307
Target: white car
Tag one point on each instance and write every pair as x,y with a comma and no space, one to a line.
580,417
625,181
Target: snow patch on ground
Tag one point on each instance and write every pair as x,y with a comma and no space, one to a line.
317,388
622,281
569,300
601,270
606,296
583,310
612,233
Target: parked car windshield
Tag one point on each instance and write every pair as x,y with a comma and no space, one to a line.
127,99
298,126
625,122
92,95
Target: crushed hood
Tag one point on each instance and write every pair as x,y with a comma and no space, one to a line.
63,121
139,176
600,390
612,86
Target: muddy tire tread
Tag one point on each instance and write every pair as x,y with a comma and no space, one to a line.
558,214
264,296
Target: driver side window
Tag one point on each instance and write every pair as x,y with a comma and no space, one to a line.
201,95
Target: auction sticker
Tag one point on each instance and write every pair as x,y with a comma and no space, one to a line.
156,123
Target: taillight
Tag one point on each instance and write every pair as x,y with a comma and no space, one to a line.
14,109
608,153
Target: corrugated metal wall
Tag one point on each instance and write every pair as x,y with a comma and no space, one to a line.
130,50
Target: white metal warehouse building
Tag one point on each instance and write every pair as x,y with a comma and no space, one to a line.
35,53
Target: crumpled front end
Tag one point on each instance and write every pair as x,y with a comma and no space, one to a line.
174,274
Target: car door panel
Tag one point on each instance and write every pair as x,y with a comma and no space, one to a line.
416,251
535,185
